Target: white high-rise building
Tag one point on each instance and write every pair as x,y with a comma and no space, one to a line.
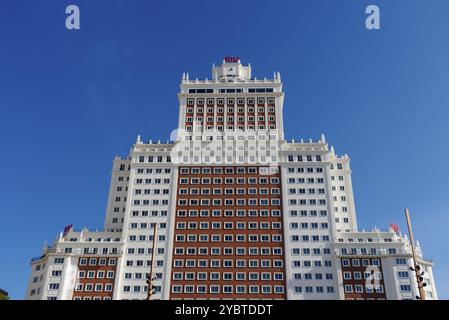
241,213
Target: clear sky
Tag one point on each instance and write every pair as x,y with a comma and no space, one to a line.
71,100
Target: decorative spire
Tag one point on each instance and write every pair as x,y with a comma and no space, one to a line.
332,151
323,138
279,76
138,140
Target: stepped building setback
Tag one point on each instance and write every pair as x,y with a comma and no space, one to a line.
241,213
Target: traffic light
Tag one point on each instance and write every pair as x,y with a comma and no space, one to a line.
152,289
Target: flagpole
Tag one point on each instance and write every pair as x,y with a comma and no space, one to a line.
416,268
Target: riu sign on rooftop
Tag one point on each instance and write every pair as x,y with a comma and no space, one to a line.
231,59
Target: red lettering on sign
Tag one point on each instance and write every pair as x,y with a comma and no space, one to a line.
231,59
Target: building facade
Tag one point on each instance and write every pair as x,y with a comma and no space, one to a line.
240,213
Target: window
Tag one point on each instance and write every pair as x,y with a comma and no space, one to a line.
56,273
54,286
405,288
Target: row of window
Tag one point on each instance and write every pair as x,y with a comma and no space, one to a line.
228,238
156,159
306,191
308,289
311,276
301,158
227,263
229,225
366,240
142,251
230,112
357,275
230,191
228,251
228,202
307,225
92,274
151,191
142,238
141,275
304,180
228,276
358,288
97,261
358,262
227,289
345,220
226,170
229,213
307,213
310,263
151,170
365,251
230,119
230,127
153,202
91,298
93,250
263,157
146,213
229,180
305,170
309,251
221,101
98,287
142,263
152,181
305,202
139,289
309,238
145,225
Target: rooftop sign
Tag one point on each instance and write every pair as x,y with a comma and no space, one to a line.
231,59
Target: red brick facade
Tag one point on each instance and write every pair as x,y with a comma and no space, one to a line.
362,278
95,278
228,234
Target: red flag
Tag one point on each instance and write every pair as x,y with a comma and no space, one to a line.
394,227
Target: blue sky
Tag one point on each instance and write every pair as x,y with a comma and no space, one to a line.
71,100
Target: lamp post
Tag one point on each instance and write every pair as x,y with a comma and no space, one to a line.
416,268
151,276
